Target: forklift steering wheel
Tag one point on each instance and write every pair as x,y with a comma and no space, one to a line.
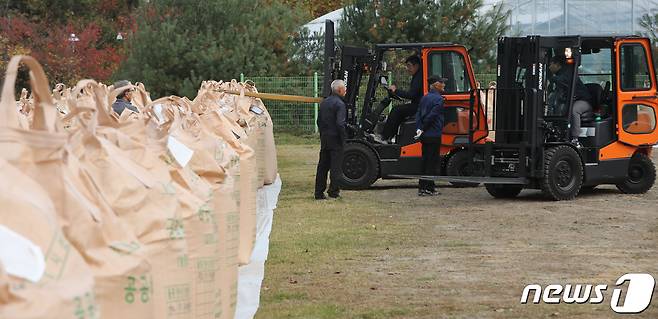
392,95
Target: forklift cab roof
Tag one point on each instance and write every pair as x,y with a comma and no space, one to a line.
585,41
412,46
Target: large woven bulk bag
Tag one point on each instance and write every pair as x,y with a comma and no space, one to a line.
227,216
252,133
124,281
147,144
201,233
246,177
61,94
112,252
170,221
251,114
206,161
178,138
213,107
186,127
258,121
53,280
141,97
249,129
25,105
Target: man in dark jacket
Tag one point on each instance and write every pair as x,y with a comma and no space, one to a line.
415,92
125,96
331,124
429,125
581,98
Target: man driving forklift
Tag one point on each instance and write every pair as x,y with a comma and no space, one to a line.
582,99
401,112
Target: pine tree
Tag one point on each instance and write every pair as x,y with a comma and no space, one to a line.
367,22
179,43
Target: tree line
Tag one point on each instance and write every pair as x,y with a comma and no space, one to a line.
172,45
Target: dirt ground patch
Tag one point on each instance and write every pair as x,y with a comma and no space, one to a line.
386,253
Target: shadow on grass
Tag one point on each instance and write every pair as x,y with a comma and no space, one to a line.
409,186
535,195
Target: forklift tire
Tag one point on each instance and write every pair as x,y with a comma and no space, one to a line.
641,175
360,167
563,173
503,190
458,166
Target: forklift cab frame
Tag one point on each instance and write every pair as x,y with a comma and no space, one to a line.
366,160
532,147
437,58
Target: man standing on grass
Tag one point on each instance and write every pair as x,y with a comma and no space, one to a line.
429,125
331,124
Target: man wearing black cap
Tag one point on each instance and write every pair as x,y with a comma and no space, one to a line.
581,97
429,125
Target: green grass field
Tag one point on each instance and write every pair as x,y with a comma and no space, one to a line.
317,248
386,253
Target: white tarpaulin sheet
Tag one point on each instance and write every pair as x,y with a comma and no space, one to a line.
251,275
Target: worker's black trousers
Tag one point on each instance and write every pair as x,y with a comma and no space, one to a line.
396,117
431,161
331,159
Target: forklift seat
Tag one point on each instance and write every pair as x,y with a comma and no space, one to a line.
587,118
596,92
406,131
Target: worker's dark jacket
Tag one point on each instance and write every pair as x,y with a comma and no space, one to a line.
121,104
415,91
331,119
562,80
429,117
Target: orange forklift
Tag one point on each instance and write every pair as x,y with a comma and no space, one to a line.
534,147
366,160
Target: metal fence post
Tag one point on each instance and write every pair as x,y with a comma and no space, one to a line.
315,105
242,77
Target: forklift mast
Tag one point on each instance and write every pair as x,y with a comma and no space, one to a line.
354,62
522,79
350,67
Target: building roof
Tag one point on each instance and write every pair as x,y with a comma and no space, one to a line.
317,24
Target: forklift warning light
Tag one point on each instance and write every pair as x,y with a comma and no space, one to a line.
567,53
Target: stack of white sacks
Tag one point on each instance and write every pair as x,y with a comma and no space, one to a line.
165,213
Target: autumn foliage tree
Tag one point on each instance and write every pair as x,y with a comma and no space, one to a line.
72,39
